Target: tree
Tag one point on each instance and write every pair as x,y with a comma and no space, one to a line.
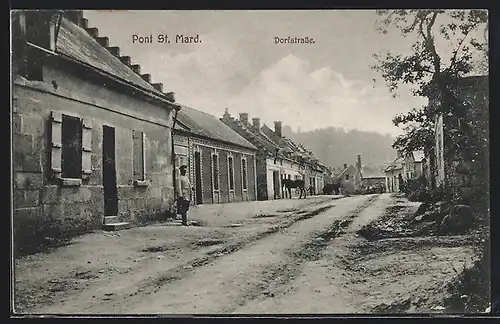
429,72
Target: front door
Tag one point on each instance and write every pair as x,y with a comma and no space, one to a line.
276,184
197,178
109,172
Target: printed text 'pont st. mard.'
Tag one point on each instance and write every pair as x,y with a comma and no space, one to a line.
165,39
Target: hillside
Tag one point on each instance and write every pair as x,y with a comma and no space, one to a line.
336,147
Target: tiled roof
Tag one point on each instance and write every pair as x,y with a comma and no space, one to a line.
341,174
256,137
372,173
395,165
296,150
76,43
206,125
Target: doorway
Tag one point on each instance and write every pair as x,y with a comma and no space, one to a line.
276,184
109,172
197,178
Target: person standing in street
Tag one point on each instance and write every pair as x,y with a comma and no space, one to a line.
184,190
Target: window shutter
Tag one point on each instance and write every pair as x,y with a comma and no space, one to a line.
56,143
86,147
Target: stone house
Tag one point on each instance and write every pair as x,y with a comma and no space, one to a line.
413,165
394,175
404,168
459,164
221,163
308,168
348,179
91,135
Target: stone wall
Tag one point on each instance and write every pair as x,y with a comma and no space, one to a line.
41,205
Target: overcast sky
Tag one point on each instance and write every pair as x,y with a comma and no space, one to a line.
238,66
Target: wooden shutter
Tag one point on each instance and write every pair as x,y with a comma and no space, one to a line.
56,144
86,147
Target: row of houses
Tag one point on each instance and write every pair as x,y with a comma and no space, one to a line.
94,138
454,162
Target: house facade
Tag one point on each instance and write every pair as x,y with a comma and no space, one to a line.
91,135
221,163
394,175
275,160
271,164
307,166
348,179
409,167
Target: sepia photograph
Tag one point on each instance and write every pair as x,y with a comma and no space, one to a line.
250,162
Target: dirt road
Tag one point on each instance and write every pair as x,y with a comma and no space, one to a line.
308,259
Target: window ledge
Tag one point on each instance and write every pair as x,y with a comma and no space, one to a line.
71,182
141,183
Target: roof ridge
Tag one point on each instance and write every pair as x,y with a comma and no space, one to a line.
119,57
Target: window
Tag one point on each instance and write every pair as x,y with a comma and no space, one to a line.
215,172
71,152
180,160
347,177
230,166
244,173
139,156
71,148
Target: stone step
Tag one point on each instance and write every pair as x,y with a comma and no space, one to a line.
111,219
178,222
116,226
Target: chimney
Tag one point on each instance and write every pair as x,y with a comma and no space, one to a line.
84,23
146,77
39,27
136,68
158,86
75,16
244,118
125,60
226,115
358,163
277,128
94,32
103,41
115,50
345,166
256,123
170,96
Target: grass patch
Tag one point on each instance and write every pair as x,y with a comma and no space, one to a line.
470,290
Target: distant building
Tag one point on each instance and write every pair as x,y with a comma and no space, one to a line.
394,175
404,168
348,179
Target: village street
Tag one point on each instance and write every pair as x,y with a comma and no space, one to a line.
283,256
